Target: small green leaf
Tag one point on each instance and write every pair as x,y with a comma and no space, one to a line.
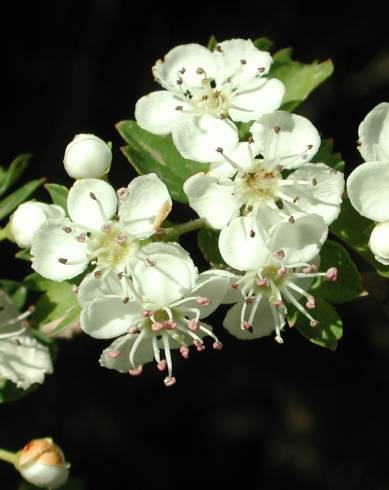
212,43
35,282
16,291
263,43
55,303
14,172
70,316
326,155
354,230
9,392
58,194
11,202
300,79
328,332
23,254
150,153
348,285
207,241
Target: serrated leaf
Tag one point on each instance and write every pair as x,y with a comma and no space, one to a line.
263,43
11,202
300,79
58,194
327,156
14,172
16,290
151,153
35,282
348,285
207,241
330,329
354,230
55,303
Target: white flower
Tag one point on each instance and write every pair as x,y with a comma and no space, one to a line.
162,307
277,268
62,249
23,360
368,184
87,157
245,184
28,217
42,463
204,90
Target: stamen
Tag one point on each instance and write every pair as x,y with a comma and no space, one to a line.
331,274
169,381
194,324
203,301
135,371
166,347
134,348
199,344
162,365
67,229
122,193
184,351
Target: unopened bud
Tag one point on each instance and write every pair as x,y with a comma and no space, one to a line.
42,463
87,157
28,218
379,242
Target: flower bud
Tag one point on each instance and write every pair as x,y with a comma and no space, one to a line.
87,157
379,242
28,217
42,463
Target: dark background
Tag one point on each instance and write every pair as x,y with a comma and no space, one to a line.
268,416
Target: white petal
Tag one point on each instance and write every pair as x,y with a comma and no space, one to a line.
164,274
301,241
87,156
324,198
91,202
199,137
241,61
367,188
107,317
241,158
24,360
28,217
91,288
243,244
290,139
51,243
254,100
379,242
374,134
147,205
212,198
182,63
157,113
213,286
8,314
123,346
263,322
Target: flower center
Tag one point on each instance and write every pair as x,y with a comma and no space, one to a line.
112,247
260,184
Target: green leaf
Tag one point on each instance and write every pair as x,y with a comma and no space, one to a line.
72,484
16,291
23,254
9,392
348,286
71,315
150,153
328,332
35,282
58,194
207,241
300,79
55,303
354,230
263,43
326,155
14,172
11,202
212,43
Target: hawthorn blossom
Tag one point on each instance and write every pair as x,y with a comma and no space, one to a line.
275,270
87,156
368,184
23,360
204,91
28,217
160,308
245,184
63,248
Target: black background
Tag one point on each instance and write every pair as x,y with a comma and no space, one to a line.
267,416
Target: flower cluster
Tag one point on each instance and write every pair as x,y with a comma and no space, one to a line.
368,184
265,194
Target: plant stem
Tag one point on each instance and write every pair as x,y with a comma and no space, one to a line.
8,456
174,232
